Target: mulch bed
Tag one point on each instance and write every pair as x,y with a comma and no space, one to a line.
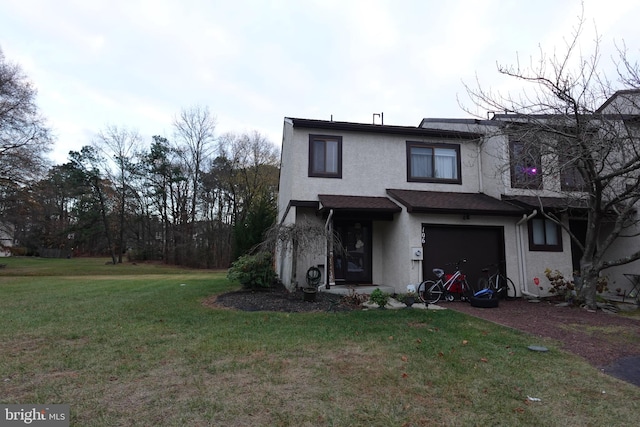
278,299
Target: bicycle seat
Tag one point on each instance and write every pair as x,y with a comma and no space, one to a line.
485,270
438,272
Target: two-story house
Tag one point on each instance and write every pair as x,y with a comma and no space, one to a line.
404,200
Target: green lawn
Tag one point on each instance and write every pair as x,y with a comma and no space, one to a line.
131,345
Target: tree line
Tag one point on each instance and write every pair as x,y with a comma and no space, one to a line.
194,199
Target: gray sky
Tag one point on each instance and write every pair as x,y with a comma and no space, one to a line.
135,64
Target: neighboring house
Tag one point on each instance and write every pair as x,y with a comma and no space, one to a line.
6,239
405,200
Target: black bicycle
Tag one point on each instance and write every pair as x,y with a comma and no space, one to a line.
500,284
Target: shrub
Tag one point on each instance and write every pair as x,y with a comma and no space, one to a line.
353,299
379,297
253,271
567,288
559,285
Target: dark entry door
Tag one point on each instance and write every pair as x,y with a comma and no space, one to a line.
444,244
352,262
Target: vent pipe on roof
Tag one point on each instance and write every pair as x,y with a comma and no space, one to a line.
381,115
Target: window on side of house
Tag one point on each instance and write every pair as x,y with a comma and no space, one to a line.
325,156
433,162
570,177
525,162
544,235
570,156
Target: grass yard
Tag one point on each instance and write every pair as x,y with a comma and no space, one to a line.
131,345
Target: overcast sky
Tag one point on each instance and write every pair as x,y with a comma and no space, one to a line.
136,64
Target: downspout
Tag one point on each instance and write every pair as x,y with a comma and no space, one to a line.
480,183
524,289
328,252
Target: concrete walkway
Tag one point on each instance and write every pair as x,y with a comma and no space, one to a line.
393,304
359,289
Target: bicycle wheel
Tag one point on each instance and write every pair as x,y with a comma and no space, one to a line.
483,283
510,289
430,292
467,290
500,289
422,290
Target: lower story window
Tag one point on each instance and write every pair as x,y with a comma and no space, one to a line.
544,235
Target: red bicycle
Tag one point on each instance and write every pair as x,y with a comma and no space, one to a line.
449,286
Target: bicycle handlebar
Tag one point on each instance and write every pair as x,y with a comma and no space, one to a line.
495,264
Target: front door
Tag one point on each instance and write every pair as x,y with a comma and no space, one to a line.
352,262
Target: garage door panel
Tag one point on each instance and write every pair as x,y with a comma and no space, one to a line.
444,245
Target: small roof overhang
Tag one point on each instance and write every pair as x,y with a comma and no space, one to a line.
550,203
359,206
453,203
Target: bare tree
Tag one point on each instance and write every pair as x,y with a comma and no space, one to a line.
574,142
24,139
252,163
247,171
195,133
24,135
121,147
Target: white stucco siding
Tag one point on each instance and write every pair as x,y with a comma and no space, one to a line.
536,262
383,249
287,169
622,247
306,256
399,237
623,102
284,255
494,157
405,232
371,163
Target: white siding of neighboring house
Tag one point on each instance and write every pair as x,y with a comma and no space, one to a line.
496,181
624,102
624,246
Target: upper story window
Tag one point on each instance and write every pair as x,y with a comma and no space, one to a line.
525,164
570,157
570,177
325,156
433,162
544,235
